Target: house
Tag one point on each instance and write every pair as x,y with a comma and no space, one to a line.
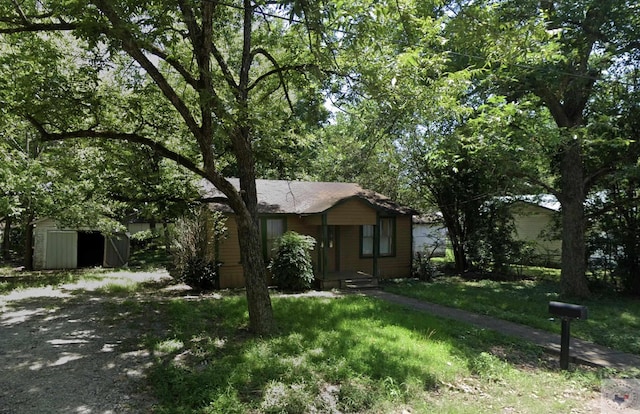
56,247
535,219
358,232
429,235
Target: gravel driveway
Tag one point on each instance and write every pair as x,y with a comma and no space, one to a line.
62,352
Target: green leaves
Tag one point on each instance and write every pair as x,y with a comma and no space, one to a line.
291,266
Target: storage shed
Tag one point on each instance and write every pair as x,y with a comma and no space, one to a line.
56,247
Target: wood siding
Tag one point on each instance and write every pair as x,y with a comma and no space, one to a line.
343,252
348,212
399,265
351,212
231,275
350,260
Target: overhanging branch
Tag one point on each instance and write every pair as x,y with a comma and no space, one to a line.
155,146
39,27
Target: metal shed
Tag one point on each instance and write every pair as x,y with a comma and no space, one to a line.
56,247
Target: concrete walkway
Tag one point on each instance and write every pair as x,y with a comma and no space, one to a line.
581,352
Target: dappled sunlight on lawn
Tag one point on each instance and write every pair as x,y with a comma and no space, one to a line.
61,351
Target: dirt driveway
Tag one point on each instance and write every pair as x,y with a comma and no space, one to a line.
61,352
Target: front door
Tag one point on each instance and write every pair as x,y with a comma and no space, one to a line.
333,250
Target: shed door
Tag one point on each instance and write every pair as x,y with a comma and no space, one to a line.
61,250
116,250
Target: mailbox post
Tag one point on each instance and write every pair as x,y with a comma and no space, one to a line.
567,312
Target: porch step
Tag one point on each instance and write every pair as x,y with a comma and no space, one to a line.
360,283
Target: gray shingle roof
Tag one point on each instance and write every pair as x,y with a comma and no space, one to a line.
306,197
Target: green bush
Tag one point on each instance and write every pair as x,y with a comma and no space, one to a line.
200,274
291,266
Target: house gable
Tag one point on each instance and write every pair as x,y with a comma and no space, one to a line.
352,211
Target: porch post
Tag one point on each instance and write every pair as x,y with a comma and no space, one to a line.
325,246
376,245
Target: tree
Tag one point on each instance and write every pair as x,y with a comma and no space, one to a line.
613,209
409,126
556,52
224,74
460,166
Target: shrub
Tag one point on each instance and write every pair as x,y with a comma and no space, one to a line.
194,249
291,265
200,273
423,268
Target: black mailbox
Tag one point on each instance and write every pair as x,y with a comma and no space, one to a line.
567,310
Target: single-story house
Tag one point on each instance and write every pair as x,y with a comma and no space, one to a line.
535,219
357,231
56,247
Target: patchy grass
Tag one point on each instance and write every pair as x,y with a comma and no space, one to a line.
613,320
11,279
348,354
117,282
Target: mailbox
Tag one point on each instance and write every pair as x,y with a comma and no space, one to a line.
567,310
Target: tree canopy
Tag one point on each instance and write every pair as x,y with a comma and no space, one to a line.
210,86
449,103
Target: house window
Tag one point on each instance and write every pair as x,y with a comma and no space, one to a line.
386,245
367,240
273,228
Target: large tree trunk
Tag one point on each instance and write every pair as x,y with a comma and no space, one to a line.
572,197
460,257
261,318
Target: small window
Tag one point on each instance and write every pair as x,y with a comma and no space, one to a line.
367,240
272,230
386,245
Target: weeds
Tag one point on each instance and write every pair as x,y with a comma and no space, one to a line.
350,354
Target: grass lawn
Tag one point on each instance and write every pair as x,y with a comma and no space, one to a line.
330,354
613,320
348,354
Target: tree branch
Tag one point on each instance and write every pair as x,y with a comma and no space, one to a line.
277,70
39,27
130,45
174,64
228,76
20,12
155,146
